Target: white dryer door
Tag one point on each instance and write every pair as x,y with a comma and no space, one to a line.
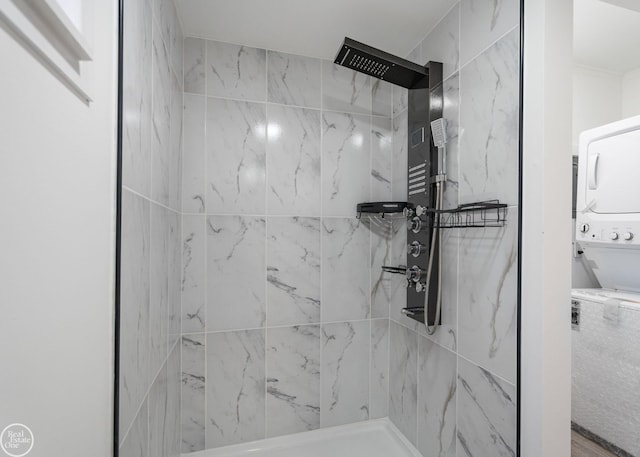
613,174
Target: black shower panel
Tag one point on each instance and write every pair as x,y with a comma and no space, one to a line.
425,106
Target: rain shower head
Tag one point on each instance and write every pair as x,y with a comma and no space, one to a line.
382,65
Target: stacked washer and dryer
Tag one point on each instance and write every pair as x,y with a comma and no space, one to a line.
606,321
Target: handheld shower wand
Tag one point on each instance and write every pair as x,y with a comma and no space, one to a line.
438,132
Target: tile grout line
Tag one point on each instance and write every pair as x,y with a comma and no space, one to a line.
370,248
205,285
291,106
485,49
266,252
459,73
151,187
180,238
322,247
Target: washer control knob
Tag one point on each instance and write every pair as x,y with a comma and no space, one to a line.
584,228
628,236
614,236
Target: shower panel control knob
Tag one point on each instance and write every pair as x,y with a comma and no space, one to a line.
416,225
415,248
420,210
420,287
414,273
584,228
408,212
614,236
628,236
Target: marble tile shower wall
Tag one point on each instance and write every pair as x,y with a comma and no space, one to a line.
284,329
151,231
453,393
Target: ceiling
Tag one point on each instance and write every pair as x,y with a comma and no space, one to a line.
313,28
607,34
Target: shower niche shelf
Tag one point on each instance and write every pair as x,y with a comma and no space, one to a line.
382,209
379,217
489,213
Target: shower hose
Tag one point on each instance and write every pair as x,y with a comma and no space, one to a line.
435,237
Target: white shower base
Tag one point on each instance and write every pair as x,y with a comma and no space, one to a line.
377,438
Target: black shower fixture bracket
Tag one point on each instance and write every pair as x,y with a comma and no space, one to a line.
382,65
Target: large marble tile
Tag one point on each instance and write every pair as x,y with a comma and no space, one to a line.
161,121
486,413
193,274
193,393
136,138
293,379
159,290
293,161
482,22
381,158
236,71
487,309
345,270
451,114
293,270
380,281
194,65
400,94
235,145
381,98
379,381
345,90
176,43
136,442
442,44
446,333
400,100
346,154
293,80
399,158
134,306
158,414
175,277
172,425
398,283
403,380
193,166
345,373
437,381
416,54
164,12
235,272
235,387
489,120
175,158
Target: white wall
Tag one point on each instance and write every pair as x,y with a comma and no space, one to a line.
546,230
597,99
631,94
57,182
